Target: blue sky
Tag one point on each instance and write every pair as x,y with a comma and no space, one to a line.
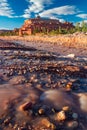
14,12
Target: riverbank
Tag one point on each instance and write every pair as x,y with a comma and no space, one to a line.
61,44
77,40
72,40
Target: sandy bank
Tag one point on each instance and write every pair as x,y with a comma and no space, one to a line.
61,44
74,40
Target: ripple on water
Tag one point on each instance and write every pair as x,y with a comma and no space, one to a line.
7,95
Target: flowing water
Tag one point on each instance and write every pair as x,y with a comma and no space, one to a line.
44,79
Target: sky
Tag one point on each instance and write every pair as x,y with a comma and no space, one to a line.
14,12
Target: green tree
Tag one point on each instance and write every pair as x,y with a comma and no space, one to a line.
84,26
78,28
44,30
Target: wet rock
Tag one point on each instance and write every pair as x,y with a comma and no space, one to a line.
68,87
46,110
20,72
72,68
22,128
28,85
45,123
6,121
71,125
10,125
33,77
15,126
65,108
60,116
17,80
26,106
70,56
75,116
24,71
10,74
41,111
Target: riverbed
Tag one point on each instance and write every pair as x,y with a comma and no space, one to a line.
42,86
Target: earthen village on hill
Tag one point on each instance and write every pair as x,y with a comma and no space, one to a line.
39,24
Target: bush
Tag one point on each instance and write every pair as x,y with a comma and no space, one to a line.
8,33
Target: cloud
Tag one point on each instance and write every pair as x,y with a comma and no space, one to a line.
85,21
5,9
3,28
63,10
83,16
35,6
62,20
26,14
55,17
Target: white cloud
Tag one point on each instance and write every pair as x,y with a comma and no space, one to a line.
83,16
85,21
36,6
5,9
63,10
55,17
26,15
3,28
62,20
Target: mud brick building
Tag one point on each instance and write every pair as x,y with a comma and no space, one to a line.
38,24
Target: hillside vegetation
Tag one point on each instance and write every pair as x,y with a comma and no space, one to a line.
79,27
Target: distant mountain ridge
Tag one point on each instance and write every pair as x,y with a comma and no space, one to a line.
5,30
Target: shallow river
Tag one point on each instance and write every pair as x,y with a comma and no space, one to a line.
42,90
